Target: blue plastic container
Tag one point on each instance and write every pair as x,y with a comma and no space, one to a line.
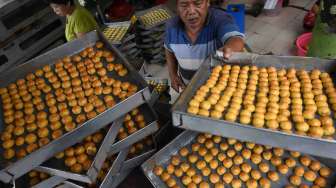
237,11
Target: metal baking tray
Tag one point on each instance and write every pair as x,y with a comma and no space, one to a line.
112,178
140,15
186,139
305,144
121,167
57,167
114,28
152,127
16,169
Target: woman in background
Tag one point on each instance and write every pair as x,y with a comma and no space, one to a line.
79,21
323,43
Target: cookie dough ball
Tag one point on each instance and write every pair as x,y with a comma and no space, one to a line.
178,172
236,183
184,152
213,164
256,158
227,163
276,161
255,174
315,166
264,183
238,146
227,178
305,160
224,146
246,153
219,185
267,155
325,172
246,167
290,162
171,182
208,157
214,178
283,169
197,178
235,170
185,167
206,171
309,175
238,160
158,170
295,154
165,176
8,154
231,153
191,171
204,185
278,152
320,181
244,176
175,160
202,151
299,171
214,151
295,180
221,170
251,183
8,144
263,167
273,176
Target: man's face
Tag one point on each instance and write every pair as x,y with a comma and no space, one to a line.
59,9
193,12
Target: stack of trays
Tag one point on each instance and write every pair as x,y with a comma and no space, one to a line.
279,104
150,32
122,35
57,100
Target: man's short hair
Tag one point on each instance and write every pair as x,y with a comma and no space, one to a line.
60,2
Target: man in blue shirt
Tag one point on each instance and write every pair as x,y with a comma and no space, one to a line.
197,32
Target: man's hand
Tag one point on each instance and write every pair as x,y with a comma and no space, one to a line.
177,83
233,44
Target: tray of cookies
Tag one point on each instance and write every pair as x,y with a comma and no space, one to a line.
286,102
119,165
80,87
138,124
30,179
204,160
116,31
154,16
83,161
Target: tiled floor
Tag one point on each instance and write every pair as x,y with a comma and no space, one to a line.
276,34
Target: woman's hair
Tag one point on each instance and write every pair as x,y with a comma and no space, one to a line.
62,2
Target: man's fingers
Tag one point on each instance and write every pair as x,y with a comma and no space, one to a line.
227,52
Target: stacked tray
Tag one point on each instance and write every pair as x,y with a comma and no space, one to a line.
150,32
114,169
122,35
95,48
195,159
309,128
135,126
158,86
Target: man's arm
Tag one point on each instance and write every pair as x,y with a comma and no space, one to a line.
176,81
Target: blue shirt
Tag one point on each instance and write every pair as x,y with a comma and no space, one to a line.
218,28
